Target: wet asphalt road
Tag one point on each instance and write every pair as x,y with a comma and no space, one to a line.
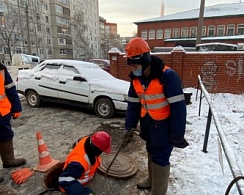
60,126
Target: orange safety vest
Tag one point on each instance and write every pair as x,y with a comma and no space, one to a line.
78,154
152,99
5,105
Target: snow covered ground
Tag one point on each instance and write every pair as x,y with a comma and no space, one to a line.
196,172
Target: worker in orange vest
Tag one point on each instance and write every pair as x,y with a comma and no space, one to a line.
156,99
82,163
10,106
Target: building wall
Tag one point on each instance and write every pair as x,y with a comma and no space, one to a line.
221,72
42,36
189,23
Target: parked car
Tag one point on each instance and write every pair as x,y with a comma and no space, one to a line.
102,63
78,83
216,47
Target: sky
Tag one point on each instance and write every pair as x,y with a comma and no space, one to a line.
126,12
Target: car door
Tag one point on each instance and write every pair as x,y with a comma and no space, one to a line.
70,89
46,80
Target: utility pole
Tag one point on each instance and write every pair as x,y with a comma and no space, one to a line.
200,22
28,29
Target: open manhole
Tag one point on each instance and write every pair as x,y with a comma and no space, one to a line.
123,166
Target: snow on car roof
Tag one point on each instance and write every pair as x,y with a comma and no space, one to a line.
72,62
90,71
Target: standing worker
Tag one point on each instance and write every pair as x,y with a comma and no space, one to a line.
156,99
82,163
9,107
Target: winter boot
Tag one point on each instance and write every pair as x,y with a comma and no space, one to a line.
147,183
160,177
7,155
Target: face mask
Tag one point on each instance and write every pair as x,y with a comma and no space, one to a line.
138,72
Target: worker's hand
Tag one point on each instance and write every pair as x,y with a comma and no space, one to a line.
16,115
127,136
179,142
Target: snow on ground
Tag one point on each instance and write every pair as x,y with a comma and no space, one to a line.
196,172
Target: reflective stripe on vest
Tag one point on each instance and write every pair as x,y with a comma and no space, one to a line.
152,99
4,102
78,154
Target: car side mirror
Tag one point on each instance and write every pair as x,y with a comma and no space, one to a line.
78,78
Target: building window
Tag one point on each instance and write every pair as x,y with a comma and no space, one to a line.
6,50
221,30
63,21
69,42
47,20
167,33
184,32
38,17
204,31
64,1
159,34
152,34
240,29
62,51
193,31
39,40
211,30
59,8
45,6
144,34
49,51
39,28
230,29
41,51
61,41
47,29
176,32
1,50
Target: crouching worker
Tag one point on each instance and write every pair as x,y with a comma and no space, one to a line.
83,162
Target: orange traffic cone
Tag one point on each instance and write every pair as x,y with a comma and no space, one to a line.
46,161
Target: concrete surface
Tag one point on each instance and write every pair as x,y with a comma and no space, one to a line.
60,127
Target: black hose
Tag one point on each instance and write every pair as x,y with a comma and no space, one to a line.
232,183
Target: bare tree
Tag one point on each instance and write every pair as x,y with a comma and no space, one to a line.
79,32
7,28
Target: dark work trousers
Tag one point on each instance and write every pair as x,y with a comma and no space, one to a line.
6,132
157,137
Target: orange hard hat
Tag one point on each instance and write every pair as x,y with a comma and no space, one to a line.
102,141
136,46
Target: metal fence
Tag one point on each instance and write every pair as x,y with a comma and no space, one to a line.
234,167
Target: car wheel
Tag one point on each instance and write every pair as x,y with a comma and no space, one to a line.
104,108
33,99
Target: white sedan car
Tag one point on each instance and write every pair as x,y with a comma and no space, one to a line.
78,83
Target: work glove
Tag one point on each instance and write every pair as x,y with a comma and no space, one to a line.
16,115
127,136
179,142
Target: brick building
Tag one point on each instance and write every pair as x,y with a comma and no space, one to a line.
222,23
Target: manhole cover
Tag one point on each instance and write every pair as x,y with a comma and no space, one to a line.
123,167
